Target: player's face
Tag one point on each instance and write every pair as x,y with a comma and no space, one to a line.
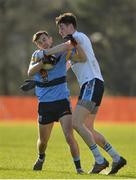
44,42
65,29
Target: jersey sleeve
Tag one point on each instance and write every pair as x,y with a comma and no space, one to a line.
78,37
84,43
82,39
36,56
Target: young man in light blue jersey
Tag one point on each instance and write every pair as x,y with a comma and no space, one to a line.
53,96
91,91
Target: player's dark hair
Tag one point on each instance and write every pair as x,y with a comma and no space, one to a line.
38,34
66,18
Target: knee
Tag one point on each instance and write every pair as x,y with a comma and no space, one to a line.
91,129
75,126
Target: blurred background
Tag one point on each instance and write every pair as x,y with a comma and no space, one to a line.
111,26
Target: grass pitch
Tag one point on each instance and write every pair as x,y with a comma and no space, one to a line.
18,152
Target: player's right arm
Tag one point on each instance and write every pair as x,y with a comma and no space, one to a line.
34,68
79,56
35,64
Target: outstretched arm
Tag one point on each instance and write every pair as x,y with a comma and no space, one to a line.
79,55
59,48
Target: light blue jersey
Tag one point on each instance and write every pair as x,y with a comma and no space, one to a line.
53,93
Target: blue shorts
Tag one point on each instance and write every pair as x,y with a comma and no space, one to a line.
91,95
53,111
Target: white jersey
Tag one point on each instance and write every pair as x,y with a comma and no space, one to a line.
89,69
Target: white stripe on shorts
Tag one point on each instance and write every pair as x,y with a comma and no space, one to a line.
86,88
92,89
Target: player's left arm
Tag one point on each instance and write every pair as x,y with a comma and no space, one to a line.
79,55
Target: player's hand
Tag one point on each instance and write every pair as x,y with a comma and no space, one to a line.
71,38
49,60
28,85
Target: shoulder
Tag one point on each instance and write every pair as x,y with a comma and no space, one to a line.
35,53
35,56
38,54
80,36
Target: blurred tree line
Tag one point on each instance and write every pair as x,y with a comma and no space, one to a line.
110,24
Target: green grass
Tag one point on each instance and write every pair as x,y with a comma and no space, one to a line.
18,152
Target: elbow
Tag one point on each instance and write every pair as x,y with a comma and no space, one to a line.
29,73
84,58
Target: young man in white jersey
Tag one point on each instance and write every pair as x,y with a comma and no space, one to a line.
92,87
53,95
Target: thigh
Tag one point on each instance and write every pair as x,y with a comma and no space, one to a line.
80,114
91,95
89,122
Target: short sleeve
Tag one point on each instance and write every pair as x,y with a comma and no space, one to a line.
36,56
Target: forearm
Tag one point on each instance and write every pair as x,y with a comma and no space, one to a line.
59,48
